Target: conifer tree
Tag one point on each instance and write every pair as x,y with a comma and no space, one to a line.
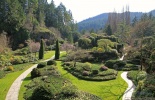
57,50
41,50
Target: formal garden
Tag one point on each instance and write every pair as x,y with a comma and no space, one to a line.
62,63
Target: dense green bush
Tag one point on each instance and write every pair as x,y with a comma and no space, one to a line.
141,75
35,73
69,91
51,62
17,60
95,72
2,74
84,43
42,64
10,68
112,63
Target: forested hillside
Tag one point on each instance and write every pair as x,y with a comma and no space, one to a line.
99,21
21,20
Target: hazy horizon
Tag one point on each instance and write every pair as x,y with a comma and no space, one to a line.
83,9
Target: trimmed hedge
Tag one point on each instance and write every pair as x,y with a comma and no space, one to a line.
42,64
51,62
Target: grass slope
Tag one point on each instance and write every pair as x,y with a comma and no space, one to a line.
6,82
107,90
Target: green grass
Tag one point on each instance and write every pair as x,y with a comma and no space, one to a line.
27,80
108,90
48,54
7,81
22,90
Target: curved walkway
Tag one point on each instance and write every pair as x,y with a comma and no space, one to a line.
128,93
15,87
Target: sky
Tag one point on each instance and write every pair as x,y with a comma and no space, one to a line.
83,9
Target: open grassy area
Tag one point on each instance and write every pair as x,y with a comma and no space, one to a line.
22,90
7,81
107,90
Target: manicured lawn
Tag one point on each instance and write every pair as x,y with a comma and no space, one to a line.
7,81
107,90
48,54
22,90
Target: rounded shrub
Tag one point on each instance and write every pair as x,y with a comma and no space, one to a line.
35,73
51,62
104,68
85,73
10,68
42,64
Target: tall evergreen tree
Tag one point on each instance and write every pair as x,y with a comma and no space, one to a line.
57,50
109,30
41,50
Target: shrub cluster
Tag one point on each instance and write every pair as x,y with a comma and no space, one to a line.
42,64
51,62
35,73
10,68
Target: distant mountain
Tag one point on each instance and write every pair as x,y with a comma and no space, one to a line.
99,21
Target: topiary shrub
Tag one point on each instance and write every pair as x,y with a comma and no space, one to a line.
10,68
95,72
42,64
57,50
35,73
51,62
85,73
41,50
104,68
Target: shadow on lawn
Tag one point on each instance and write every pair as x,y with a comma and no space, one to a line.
27,79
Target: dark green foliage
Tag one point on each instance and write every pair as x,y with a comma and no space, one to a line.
57,50
69,91
84,43
95,72
2,74
42,64
51,62
41,50
92,74
120,48
109,30
99,57
35,73
113,63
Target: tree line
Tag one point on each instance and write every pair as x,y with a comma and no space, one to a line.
21,18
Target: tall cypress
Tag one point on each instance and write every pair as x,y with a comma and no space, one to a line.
41,50
57,50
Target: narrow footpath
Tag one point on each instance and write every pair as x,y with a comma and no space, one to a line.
128,93
15,87
131,87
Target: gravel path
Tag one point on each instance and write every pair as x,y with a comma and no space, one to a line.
15,87
128,93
